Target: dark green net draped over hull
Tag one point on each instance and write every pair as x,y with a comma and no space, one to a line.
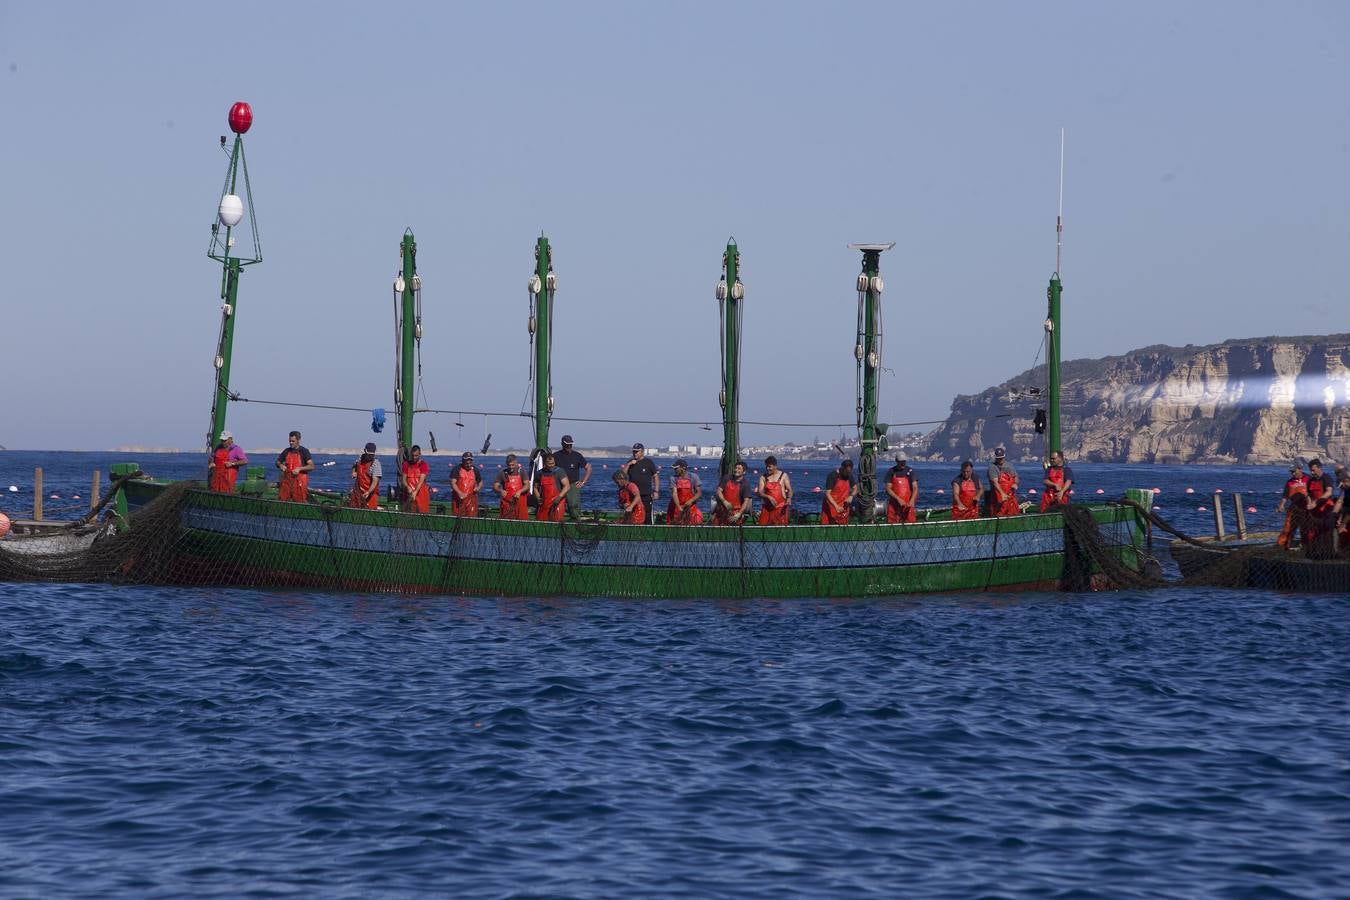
183,535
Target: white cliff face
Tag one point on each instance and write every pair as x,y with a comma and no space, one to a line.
1245,401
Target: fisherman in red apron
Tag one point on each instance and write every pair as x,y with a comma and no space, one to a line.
465,481
1319,524
733,498
631,510
295,464
366,476
685,490
1002,486
550,488
840,489
966,493
902,492
510,486
223,470
414,472
775,493
1058,483
1295,498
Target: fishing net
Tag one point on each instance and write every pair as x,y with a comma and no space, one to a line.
180,534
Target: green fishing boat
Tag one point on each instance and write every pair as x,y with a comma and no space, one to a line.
186,534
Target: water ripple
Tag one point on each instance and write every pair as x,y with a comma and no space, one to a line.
177,742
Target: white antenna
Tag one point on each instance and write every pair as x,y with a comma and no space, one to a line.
1059,219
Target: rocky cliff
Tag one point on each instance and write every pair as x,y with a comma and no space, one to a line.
1256,401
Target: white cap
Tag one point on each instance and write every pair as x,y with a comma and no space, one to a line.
227,436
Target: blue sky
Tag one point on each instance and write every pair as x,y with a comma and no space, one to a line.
1206,184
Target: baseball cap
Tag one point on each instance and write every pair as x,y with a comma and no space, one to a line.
681,462
370,447
999,453
467,455
639,447
227,435
567,440
1301,463
900,457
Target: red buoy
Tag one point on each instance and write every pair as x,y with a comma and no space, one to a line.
241,117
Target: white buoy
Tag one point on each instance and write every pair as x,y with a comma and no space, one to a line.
1157,507
1190,490
231,210
1101,491
1157,490
816,489
1203,508
13,489
1218,490
1031,490
1251,509
941,491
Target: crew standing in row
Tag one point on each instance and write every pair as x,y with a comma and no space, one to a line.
1058,483
733,498
226,459
295,464
775,494
966,490
1002,497
366,475
686,488
642,472
413,473
465,481
510,486
902,492
578,472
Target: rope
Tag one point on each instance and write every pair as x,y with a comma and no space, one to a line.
235,396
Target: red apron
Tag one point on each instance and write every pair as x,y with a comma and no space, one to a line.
1297,488
514,504
1051,497
904,510
731,490
684,492
419,495
465,480
627,494
548,510
839,492
363,483
222,476
293,487
966,490
777,514
1008,482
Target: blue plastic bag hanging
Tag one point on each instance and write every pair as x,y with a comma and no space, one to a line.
377,420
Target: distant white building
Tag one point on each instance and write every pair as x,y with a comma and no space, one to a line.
710,452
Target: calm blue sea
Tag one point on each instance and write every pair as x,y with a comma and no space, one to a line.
227,743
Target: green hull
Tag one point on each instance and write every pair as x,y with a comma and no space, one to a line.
241,540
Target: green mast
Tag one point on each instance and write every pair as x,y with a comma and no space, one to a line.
730,293
408,324
867,351
229,214
1054,336
543,283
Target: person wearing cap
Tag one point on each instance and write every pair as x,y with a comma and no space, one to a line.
733,498
631,510
840,489
223,469
295,464
902,491
465,480
510,486
966,489
413,473
1293,503
550,487
366,474
578,473
1002,497
685,490
1058,483
642,472
775,494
